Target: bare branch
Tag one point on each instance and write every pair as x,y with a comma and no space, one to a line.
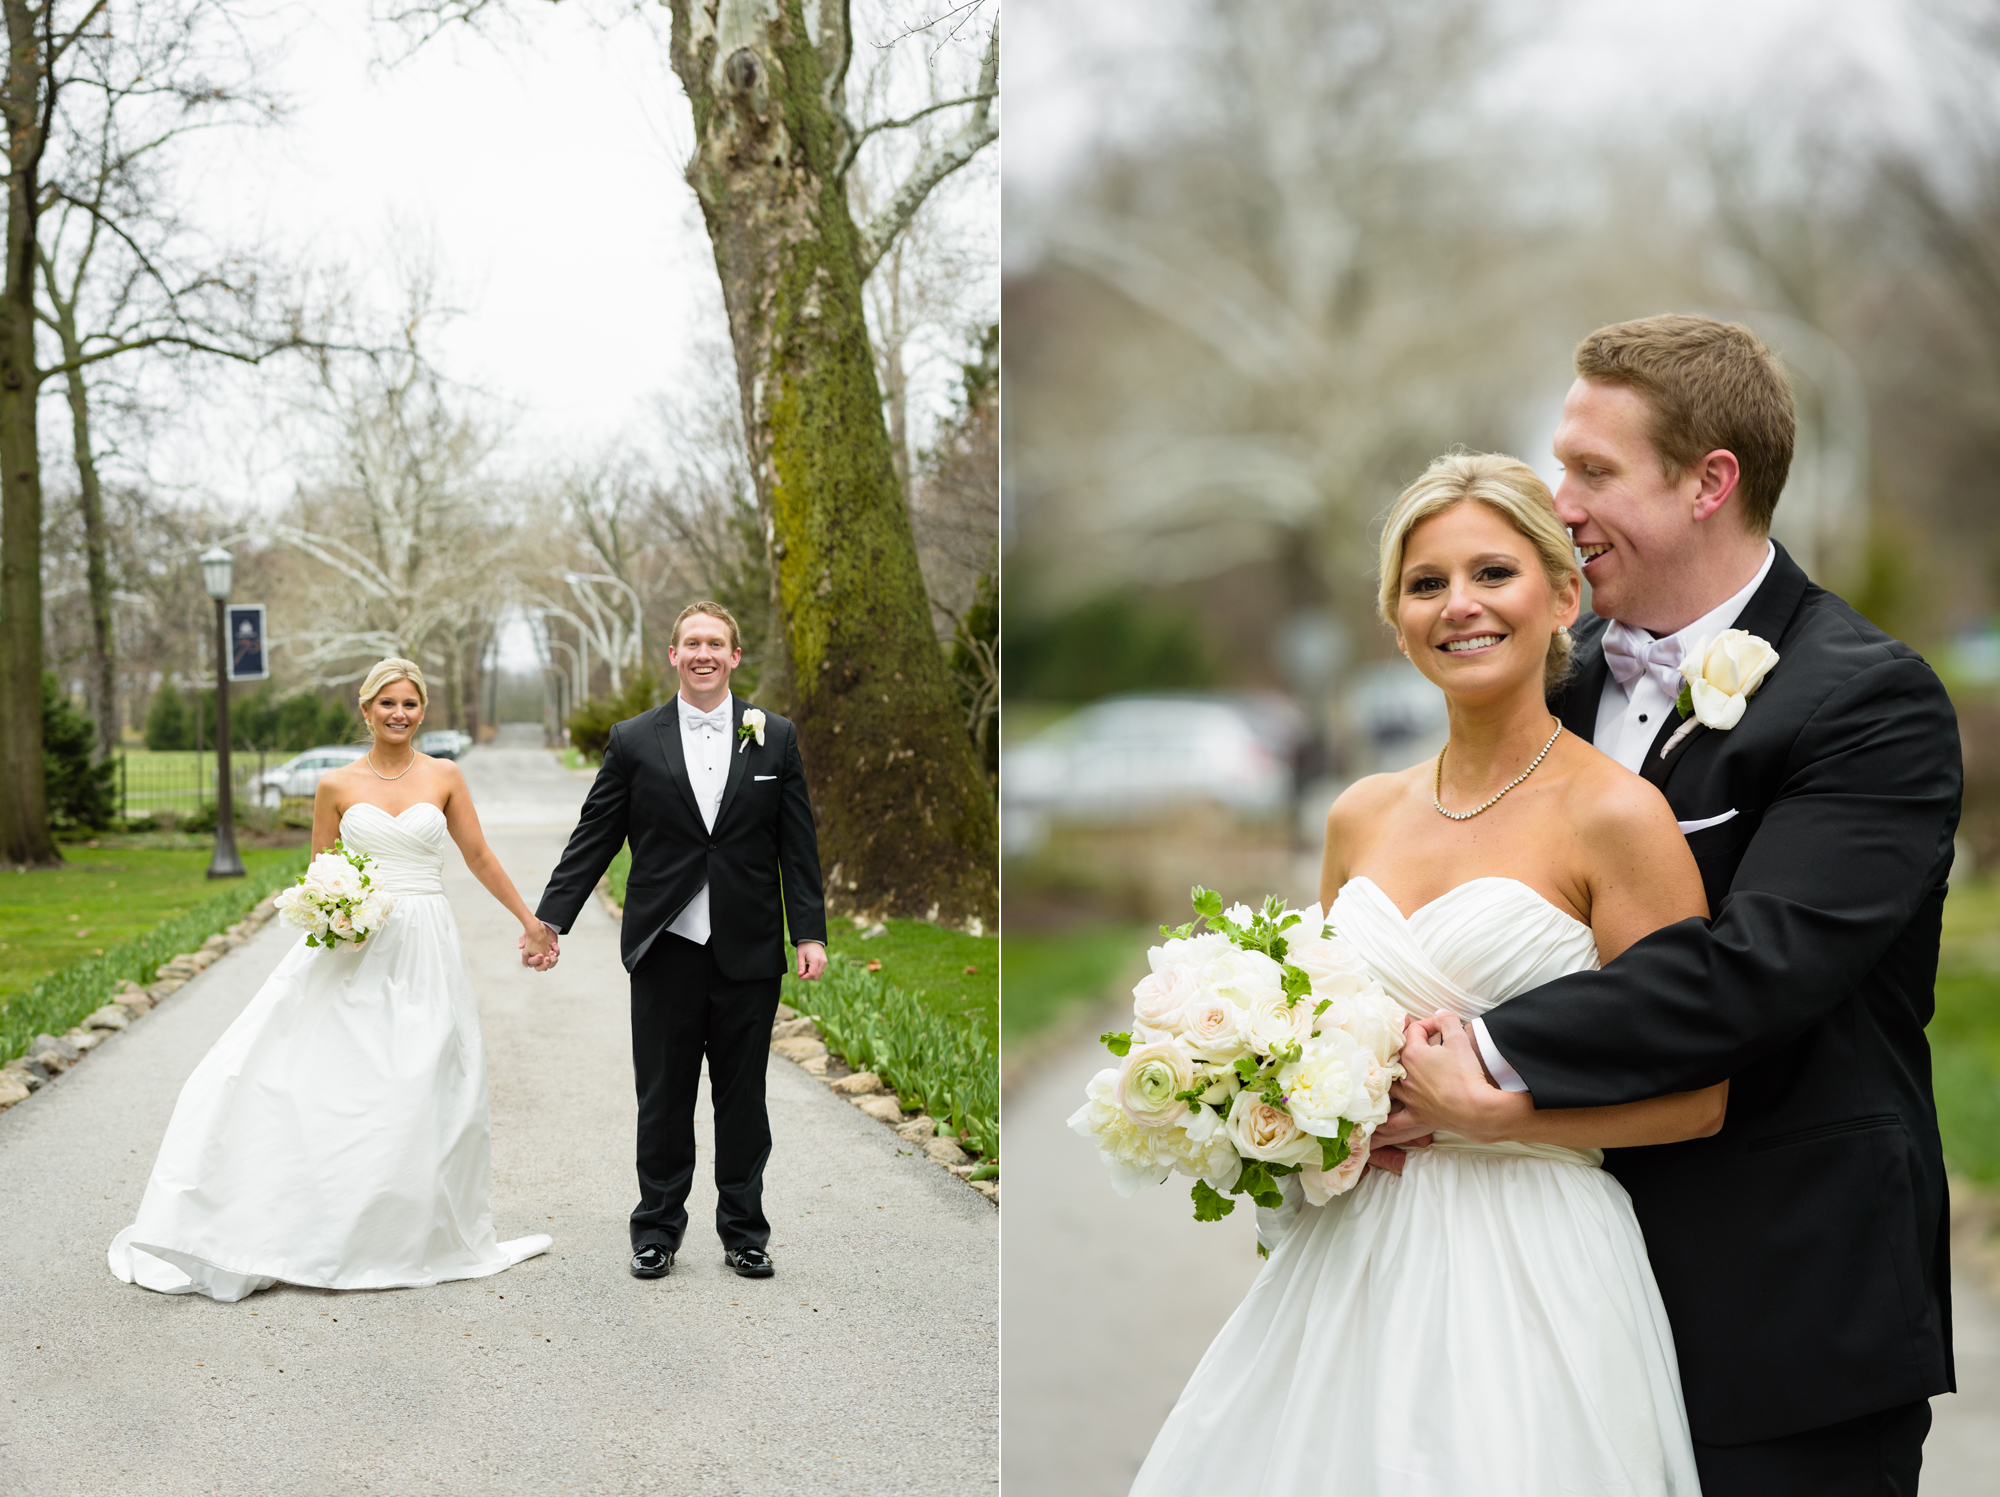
854,145
978,132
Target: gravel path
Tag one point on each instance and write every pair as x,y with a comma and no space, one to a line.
867,1365
1118,1299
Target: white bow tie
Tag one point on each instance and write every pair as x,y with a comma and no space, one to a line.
1632,653
716,721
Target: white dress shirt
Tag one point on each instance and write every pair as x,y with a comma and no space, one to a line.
705,746
1628,720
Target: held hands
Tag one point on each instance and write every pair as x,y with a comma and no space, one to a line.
1445,1085
539,947
812,960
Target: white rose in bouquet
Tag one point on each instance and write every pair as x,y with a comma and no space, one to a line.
1261,1131
1373,1018
1127,1151
1334,967
1211,1157
1161,995
1215,1029
1320,1085
1150,1081
1243,977
1322,1186
340,923
1189,951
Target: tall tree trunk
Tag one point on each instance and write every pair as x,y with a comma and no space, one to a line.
24,811
90,497
907,825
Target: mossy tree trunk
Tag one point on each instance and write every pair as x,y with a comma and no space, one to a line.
907,824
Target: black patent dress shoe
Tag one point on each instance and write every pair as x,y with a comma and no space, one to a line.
652,1262
751,1262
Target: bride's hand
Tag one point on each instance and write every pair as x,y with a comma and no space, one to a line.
1445,1086
539,947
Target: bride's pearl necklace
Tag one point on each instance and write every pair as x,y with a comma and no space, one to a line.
370,757
1437,781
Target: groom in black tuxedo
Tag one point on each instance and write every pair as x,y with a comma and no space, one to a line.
1802,1251
711,794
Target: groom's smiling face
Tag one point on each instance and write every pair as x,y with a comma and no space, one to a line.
704,658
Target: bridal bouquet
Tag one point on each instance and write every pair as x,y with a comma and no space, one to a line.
335,899
1260,1047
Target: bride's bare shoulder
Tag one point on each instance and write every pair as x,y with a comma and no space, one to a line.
1368,799
1613,804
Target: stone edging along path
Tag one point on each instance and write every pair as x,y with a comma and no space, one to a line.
796,1039
50,1054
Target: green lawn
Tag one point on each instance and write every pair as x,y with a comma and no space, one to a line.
1965,1034
1051,973
50,918
923,959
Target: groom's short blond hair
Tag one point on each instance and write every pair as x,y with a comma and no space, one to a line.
712,610
1710,386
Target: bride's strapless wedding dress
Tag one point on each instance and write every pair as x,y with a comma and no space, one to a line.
1484,1324
336,1136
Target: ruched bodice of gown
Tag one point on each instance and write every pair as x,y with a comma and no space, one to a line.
1469,950
407,849
1486,1322
336,1135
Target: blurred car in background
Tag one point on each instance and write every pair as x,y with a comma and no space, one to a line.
300,776
444,743
1127,756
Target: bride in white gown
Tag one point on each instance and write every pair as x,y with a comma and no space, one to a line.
336,1136
1484,1322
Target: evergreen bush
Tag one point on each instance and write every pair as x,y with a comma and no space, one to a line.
79,789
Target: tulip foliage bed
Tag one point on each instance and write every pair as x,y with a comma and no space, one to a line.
65,996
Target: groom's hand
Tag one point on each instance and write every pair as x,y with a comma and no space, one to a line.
812,960
540,955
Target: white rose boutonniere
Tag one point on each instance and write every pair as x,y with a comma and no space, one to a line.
1722,675
753,722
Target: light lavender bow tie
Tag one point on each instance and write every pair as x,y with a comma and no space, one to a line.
1632,653
717,723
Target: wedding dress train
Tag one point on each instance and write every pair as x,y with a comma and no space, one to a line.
336,1135
1484,1324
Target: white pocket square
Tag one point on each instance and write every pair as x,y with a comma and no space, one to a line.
1706,822
773,777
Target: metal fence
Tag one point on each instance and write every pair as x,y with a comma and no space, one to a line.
182,784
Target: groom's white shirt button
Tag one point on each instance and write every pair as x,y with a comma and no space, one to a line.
705,749
1636,698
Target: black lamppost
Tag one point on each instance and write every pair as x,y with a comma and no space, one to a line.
216,567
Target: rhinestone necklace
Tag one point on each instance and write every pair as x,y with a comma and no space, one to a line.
1437,781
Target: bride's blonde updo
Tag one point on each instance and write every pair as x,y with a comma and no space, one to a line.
1512,490
383,673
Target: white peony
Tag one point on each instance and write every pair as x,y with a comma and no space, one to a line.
1211,1156
1215,1029
1320,1085
1194,952
1243,977
1335,968
1373,1018
1261,1131
1127,1151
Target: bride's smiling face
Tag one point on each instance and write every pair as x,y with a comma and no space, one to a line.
1475,611
395,712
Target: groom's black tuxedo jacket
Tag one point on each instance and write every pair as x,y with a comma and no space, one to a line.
1801,1251
761,863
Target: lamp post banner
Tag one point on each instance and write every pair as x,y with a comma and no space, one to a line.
249,660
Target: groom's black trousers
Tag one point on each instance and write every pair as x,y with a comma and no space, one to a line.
1877,1455
684,1011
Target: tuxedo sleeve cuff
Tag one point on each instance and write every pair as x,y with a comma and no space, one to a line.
1504,1076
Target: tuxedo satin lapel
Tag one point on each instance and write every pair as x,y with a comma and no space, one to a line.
667,724
738,755
1576,703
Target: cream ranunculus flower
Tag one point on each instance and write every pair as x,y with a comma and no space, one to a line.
1160,996
1723,673
1274,1022
1150,1081
1127,1151
1215,1029
1261,1131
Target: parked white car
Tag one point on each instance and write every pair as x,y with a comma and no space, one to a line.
300,776
1125,756
444,743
